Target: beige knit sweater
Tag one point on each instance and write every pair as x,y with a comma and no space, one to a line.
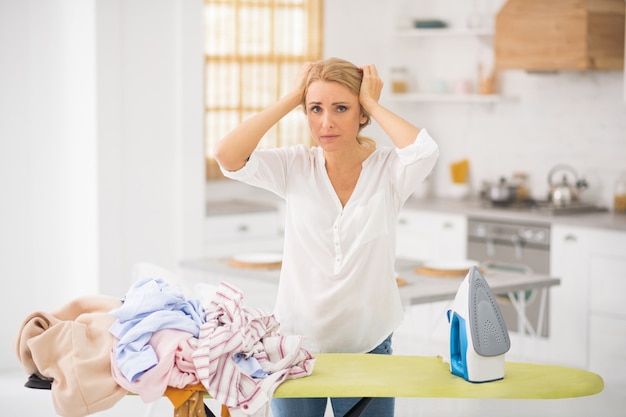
72,348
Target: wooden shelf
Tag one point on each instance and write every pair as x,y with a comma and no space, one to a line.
445,32
483,35
446,98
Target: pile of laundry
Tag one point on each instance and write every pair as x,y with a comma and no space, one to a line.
96,349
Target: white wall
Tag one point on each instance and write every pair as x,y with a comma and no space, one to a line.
101,137
49,236
100,147
151,148
576,118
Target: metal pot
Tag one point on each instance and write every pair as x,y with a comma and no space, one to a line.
564,192
501,193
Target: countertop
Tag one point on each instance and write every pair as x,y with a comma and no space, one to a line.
418,290
237,206
476,208
470,207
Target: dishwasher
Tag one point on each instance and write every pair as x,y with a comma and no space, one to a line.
514,246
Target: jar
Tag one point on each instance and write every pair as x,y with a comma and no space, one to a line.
520,179
399,80
619,203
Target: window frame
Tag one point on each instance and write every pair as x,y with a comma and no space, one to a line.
225,48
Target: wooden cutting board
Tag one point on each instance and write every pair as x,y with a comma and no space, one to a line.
276,265
254,265
401,281
256,261
453,273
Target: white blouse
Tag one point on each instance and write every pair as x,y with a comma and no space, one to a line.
337,282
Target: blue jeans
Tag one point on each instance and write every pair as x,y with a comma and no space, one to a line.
315,407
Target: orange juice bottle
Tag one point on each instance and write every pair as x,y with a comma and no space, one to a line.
619,204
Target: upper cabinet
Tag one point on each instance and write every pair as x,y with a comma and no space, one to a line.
539,35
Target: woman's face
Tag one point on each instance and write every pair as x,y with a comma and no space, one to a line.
334,115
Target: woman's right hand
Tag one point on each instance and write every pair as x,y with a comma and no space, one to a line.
299,83
233,151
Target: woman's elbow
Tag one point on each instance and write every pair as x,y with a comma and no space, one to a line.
219,155
227,159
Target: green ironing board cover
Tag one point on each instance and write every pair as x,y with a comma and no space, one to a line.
370,375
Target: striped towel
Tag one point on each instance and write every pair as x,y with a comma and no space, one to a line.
232,328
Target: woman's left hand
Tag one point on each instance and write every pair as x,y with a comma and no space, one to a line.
371,85
401,132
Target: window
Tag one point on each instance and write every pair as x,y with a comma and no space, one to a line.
253,49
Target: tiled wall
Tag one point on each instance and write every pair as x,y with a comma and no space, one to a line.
574,118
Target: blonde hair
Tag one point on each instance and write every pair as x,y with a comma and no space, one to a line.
340,71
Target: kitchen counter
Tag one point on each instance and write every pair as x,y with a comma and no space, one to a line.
217,208
419,289
470,207
479,209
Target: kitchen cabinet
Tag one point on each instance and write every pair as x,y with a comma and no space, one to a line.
588,314
535,35
460,75
607,314
569,249
241,227
428,235
425,235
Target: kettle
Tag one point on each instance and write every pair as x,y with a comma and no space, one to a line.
564,193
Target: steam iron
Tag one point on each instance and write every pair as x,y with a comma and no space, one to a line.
478,335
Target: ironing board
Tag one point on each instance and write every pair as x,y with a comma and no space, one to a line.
367,376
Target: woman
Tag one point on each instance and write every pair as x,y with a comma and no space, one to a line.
337,285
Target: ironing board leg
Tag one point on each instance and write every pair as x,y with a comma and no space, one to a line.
208,412
359,407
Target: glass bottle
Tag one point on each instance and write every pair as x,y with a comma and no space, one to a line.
520,180
619,196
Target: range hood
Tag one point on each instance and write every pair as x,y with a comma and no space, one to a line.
549,35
